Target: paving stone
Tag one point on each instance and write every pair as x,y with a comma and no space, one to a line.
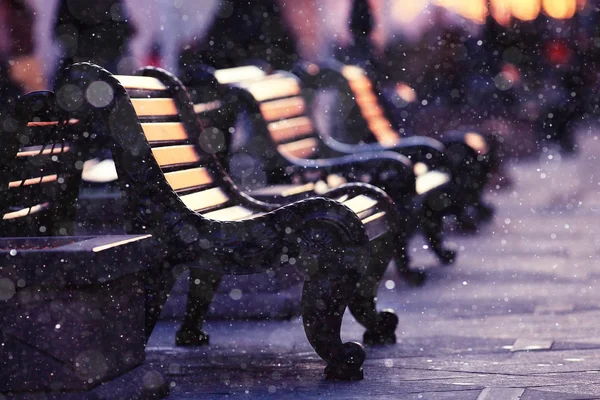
531,345
501,393
534,394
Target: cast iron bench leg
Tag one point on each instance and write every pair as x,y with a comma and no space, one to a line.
437,203
158,284
381,326
325,296
203,285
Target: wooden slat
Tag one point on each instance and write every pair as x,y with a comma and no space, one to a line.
382,130
34,124
368,104
188,178
154,107
351,72
99,171
26,211
274,88
343,198
33,181
377,123
282,190
477,142
430,180
205,107
238,74
372,111
302,148
32,151
360,203
205,199
406,93
234,213
362,84
175,155
290,128
284,108
376,225
117,243
140,82
387,136
307,187
365,100
164,131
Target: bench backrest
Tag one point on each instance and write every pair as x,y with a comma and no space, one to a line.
368,105
185,156
41,171
364,116
282,107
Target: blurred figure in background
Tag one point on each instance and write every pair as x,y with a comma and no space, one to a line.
97,31
243,32
20,71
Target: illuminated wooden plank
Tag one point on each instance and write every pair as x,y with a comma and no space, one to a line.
376,225
34,124
360,203
26,211
234,213
430,180
372,111
298,190
43,150
284,108
175,155
205,199
238,74
99,171
351,72
164,131
140,82
205,107
188,178
154,107
301,149
273,88
290,128
107,246
476,142
33,181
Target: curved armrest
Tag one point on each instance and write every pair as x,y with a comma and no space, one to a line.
417,149
387,170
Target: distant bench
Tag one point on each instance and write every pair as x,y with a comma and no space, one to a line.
285,147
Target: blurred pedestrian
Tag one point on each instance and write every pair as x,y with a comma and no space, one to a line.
20,71
244,32
96,31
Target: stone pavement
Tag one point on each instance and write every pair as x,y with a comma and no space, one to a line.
517,317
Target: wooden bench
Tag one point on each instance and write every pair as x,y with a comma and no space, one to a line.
469,156
286,148
178,192
71,307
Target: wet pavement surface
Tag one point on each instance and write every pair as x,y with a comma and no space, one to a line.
517,316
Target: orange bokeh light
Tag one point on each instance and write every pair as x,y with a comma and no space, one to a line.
560,9
475,10
500,10
525,10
